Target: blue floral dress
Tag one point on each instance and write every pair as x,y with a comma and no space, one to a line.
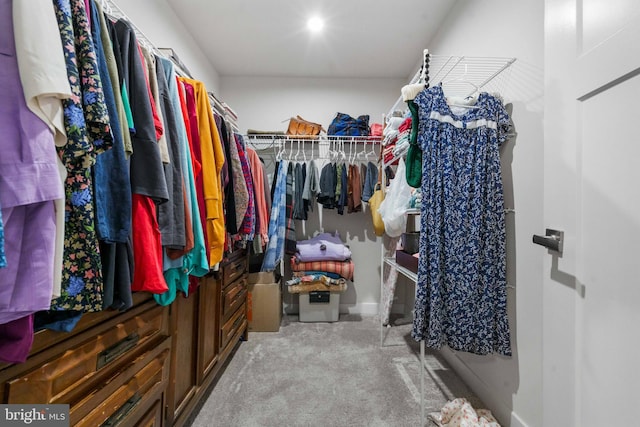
461,294
88,132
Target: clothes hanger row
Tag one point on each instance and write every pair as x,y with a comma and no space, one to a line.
299,150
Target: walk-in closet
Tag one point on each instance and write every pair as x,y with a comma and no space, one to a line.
322,213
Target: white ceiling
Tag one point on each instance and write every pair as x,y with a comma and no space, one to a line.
361,38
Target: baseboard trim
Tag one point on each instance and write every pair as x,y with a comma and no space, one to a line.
516,421
501,411
363,309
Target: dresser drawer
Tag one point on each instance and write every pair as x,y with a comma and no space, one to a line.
234,267
153,417
116,401
233,296
69,375
231,326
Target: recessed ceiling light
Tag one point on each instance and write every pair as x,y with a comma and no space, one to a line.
315,24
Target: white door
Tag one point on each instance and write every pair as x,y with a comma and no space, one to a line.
591,293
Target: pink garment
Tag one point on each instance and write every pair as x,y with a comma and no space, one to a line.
405,126
261,200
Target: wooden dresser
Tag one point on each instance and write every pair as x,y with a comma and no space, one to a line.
147,366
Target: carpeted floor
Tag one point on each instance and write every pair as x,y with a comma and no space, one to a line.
329,374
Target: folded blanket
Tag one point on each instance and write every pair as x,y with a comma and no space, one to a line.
312,272
316,278
303,288
323,247
343,268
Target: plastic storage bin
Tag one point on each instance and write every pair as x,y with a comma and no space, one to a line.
319,306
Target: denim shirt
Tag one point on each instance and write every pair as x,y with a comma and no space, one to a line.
111,170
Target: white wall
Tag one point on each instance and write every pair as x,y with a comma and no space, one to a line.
511,387
157,21
263,103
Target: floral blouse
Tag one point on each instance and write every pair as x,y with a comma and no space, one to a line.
89,134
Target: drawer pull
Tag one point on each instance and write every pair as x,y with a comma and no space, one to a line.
122,412
107,356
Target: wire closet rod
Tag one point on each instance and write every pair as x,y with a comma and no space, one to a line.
113,10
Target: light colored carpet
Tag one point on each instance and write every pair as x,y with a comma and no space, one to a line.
329,374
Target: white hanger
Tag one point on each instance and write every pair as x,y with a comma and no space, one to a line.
297,152
304,152
362,155
342,155
462,102
352,152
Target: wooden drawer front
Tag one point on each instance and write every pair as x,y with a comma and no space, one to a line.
232,325
46,338
116,400
153,417
234,268
71,374
233,296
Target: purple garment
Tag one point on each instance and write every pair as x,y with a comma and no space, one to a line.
27,281
16,338
29,182
323,247
28,168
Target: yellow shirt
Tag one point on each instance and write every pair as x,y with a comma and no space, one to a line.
212,162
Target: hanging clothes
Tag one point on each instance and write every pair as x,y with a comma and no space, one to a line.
298,188
290,232
171,215
229,188
148,183
43,75
370,180
257,173
311,185
194,257
111,180
248,227
342,180
354,190
461,297
89,133
149,62
3,258
327,195
212,162
111,171
277,223
193,135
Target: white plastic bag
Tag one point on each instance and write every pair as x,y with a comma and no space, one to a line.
393,208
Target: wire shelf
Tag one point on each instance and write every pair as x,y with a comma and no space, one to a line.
461,76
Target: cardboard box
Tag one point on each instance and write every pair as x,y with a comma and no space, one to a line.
264,303
314,309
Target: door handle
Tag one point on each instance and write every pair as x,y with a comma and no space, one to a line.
552,239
